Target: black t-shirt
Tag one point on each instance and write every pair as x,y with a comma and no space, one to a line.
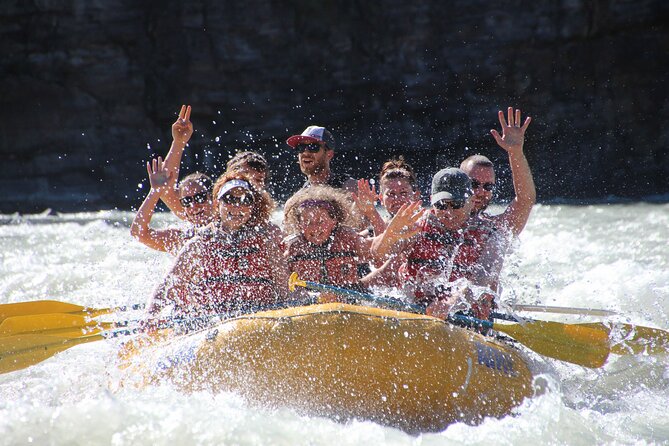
336,180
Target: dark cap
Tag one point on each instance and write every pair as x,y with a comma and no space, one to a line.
450,184
313,134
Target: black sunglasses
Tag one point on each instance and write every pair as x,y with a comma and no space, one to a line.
313,147
445,204
200,198
486,186
242,200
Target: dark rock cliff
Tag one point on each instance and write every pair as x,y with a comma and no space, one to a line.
90,88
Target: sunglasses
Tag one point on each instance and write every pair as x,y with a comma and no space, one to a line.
199,198
313,147
444,204
486,186
242,200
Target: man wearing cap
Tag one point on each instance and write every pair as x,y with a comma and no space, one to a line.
315,148
446,249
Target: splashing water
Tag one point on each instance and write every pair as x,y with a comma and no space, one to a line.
605,256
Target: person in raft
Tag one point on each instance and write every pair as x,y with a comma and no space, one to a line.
251,164
321,242
397,187
315,148
446,249
190,201
234,265
322,245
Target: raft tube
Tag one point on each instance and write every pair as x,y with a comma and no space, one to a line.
405,370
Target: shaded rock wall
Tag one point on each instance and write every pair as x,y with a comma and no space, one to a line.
90,88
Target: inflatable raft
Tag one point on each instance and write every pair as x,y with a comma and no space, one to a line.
405,370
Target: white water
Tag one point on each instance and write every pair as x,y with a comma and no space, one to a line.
606,256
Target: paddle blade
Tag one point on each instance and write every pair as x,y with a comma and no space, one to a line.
37,307
628,339
49,306
578,344
60,324
21,351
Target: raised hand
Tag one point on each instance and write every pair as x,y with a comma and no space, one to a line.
513,134
404,224
182,129
366,198
159,176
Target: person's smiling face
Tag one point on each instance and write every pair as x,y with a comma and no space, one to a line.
453,214
396,192
483,185
316,224
313,162
235,208
197,203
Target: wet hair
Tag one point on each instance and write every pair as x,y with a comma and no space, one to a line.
398,168
252,160
199,178
263,205
477,160
335,201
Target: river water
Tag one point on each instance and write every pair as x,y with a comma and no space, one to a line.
612,256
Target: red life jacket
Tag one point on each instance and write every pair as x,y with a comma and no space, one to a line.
438,250
333,263
236,272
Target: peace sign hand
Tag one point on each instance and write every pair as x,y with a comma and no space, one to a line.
182,129
513,135
159,176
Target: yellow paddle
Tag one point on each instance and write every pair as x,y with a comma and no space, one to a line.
625,339
20,351
578,344
54,306
28,340
628,339
64,325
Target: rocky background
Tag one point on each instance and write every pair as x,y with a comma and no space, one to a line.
90,88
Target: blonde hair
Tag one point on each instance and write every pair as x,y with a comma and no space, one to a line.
263,205
335,201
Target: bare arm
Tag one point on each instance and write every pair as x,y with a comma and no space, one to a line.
365,199
160,240
182,130
512,139
175,285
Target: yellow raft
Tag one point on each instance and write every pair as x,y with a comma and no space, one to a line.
342,361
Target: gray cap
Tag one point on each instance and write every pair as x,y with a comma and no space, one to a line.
450,184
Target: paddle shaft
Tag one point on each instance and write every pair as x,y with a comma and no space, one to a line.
563,310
